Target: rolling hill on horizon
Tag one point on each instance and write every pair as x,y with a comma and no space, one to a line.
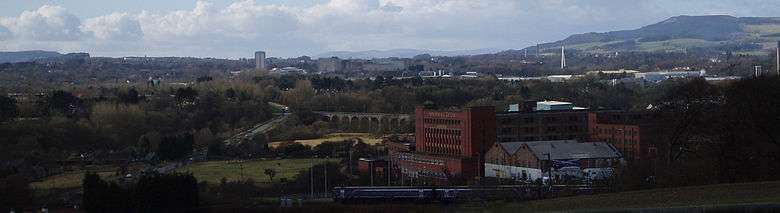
24,56
401,53
751,35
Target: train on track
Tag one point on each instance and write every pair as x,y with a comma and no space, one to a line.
454,193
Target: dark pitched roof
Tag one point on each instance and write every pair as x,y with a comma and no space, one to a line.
511,147
565,149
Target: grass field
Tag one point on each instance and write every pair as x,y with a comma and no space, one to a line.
367,138
65,180
710,195
213,171
72,179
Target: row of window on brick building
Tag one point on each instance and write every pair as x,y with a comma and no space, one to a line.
549,129
436,121
547,119
614,131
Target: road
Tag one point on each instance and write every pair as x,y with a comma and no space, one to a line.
260,128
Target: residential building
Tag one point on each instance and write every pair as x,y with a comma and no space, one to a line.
327,65
260,60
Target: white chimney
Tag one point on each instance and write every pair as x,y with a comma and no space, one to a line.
563,56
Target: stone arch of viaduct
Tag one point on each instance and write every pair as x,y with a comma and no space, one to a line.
370,122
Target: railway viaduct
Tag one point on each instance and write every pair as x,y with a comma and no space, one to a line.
370,122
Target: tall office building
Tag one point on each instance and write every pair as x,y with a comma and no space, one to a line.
259,60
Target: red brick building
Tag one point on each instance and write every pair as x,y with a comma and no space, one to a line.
448,144
467,133
365,165
542,125
635,134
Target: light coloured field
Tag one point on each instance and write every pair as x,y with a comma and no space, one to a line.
367,138
675,44
762,29
585,46
213,171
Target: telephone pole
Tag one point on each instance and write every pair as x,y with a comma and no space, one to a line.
371,167
389,170
325,167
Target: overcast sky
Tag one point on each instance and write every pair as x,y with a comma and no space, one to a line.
236,28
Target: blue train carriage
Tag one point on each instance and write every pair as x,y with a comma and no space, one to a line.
404,194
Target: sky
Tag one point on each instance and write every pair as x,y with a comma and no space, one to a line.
237,28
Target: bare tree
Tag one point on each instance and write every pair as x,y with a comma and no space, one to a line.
271,173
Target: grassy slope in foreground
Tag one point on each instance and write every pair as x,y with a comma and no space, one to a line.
709,195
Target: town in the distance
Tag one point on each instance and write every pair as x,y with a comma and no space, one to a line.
657,119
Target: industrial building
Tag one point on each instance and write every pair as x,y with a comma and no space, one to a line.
545,120
287,70
478,142
448,144
556,160
656,77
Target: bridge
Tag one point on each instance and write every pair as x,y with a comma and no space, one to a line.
370,122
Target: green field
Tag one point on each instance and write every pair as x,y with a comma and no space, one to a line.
213,171
710,195
72,179
65,181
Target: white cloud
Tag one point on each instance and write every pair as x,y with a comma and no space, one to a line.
5,33
116,26
177,23
246,17
47,23
243,19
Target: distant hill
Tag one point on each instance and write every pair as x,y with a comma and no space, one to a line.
24,56
40,56
401,53
682,33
